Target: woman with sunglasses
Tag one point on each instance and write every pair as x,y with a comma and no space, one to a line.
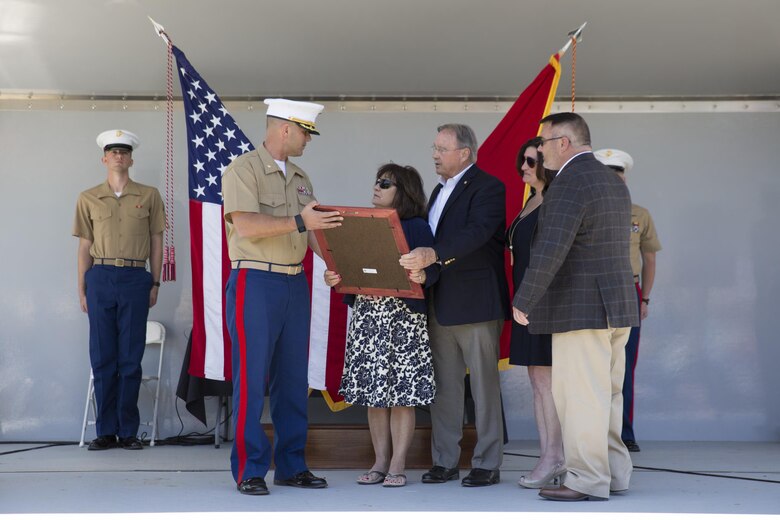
535,350
388,365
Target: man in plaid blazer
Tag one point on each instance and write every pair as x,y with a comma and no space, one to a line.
579,288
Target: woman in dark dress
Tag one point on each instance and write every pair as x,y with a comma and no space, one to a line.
387,364
535,350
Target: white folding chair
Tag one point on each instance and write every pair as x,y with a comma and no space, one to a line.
155,335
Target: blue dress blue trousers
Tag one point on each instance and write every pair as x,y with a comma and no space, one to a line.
268,320
118,307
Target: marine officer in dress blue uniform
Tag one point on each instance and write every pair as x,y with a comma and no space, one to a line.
644,246
119,224
269,208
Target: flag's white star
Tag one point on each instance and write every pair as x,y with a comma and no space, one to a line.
220,195
212,179
198,140
232,157
222,168
200,191
230,134
199,166
195,85
195,117
183,71
209,131
244,147
215,121
223,110
211,97
203,107
220,145
211,155
192,94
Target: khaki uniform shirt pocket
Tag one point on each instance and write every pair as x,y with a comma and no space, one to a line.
272,204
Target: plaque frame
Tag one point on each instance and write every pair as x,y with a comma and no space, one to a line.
365,251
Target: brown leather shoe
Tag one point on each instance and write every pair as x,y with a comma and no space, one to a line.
564,494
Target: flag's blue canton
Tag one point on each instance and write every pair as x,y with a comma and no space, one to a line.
214,138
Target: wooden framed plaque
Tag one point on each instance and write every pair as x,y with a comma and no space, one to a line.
365,251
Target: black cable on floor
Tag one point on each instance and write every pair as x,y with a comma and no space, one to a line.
669,470
47,445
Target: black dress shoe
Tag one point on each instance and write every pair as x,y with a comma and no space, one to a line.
440,475
304,479
478,477
102,442
253,486
130,443
632,446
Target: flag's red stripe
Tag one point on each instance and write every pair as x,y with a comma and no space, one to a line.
241,331
198,350
337,340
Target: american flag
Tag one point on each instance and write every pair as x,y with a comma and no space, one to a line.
213,141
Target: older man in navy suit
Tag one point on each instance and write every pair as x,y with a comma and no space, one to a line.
468,305
579,287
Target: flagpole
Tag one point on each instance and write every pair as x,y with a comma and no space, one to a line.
160,30
169,249
577,34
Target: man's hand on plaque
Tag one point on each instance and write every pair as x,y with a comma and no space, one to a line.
314,219
418,258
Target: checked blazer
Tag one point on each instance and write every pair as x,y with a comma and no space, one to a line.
469,242
579,276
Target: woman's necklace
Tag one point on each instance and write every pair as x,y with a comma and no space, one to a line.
529,208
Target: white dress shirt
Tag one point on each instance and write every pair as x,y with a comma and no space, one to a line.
441,199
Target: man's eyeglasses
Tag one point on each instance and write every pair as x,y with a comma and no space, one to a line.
553,139
530,161
439,150
385,184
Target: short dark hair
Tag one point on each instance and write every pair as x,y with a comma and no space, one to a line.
464,136
575,124
542,173
409,200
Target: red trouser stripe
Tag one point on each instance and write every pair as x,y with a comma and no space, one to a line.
241,423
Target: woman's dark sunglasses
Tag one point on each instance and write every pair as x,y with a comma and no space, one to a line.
530,161
384,183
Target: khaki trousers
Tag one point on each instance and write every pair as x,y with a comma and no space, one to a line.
587,383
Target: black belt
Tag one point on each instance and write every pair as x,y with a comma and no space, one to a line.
119,262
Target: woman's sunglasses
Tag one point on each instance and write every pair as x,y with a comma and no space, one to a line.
530,161
384,183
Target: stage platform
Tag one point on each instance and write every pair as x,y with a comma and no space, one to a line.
678,478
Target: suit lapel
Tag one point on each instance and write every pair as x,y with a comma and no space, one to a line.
435,194
459,188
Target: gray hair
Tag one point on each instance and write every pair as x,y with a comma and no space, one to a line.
464,136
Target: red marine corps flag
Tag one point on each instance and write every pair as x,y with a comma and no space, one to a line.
498,152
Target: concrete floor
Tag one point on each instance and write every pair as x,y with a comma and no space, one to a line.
195,481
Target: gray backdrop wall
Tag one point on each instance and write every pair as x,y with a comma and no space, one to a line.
709,353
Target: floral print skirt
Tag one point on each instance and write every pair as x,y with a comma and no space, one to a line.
388,357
